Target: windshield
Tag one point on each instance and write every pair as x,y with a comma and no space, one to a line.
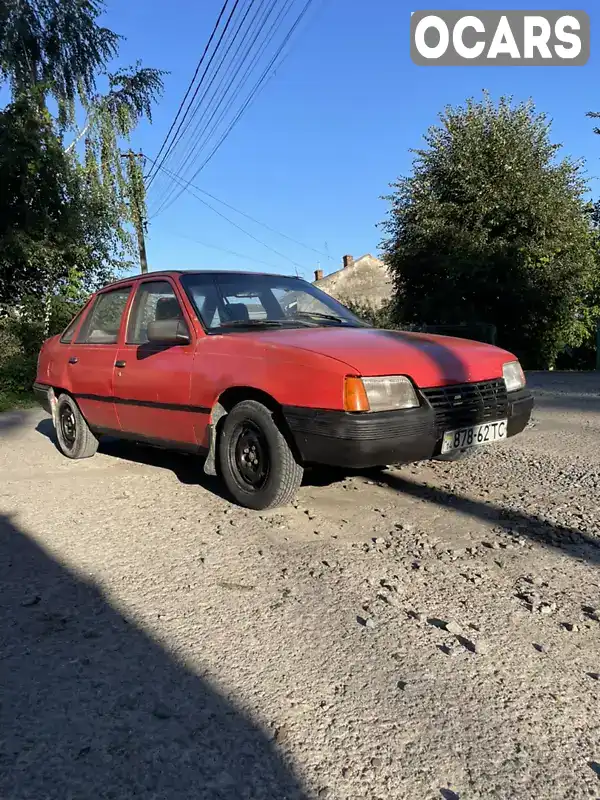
230,302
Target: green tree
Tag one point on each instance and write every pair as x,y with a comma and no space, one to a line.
67,202
56,233
55,54
492,226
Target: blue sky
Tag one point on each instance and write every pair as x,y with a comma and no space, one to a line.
332,129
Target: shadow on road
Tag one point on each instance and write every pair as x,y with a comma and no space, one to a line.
11,420
574,401
92,707
571,541
557,391
186,468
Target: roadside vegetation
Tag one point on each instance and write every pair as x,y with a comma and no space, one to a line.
494,226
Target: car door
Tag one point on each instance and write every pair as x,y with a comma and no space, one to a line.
152,381
91,358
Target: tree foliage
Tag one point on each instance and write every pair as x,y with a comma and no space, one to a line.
55,45
67,201
56,234
75,216
492,226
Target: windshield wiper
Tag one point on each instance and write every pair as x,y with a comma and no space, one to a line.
245,323
332,317
318,315
259,323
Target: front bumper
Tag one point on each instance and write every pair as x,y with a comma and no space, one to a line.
359,440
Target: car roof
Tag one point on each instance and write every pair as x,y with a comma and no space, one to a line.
173,273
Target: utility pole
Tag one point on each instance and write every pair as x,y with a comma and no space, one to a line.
139,222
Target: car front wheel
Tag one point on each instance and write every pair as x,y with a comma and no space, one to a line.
256,462
75,439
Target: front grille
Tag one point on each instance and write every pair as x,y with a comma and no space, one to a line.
467,404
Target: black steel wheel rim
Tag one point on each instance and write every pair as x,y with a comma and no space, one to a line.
249,456
68,425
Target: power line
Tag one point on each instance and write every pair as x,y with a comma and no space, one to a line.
193,150
200,100
187,184
224,250
265,76
251,218
189,89
231,222
171,146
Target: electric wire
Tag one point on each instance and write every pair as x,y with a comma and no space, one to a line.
192,150
197,90
224,250
187,184
189,89
232,74
266,75
235,224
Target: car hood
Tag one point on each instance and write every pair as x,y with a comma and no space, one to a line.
429,359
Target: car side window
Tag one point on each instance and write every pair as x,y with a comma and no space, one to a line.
103,322
69,331
154,301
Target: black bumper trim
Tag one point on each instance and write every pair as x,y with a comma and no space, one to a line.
357,441
520,406
40,391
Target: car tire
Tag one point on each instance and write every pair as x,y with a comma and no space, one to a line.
75,439
462,455
255,460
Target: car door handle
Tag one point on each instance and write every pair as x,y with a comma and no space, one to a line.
73,360
120,364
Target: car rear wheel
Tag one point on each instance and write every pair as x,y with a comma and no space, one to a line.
255,459
75,439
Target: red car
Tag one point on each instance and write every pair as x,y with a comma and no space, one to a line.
265,374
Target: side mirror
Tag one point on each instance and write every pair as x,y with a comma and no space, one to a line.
168,331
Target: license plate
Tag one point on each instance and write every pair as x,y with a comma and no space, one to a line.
474,435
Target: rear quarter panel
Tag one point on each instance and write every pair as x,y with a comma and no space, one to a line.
52,364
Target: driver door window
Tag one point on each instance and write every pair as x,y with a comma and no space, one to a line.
152,380
154,301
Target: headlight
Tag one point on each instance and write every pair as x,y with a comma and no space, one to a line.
514,378
379,394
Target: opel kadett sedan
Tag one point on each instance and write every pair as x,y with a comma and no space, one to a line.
264,375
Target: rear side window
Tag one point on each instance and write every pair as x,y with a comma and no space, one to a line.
102,324
67,336
154,301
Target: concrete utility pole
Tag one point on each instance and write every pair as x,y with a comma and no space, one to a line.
139,222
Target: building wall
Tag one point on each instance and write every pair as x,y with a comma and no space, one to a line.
364,280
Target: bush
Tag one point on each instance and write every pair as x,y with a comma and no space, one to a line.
21,337
377,316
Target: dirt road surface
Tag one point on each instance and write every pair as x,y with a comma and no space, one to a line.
431,632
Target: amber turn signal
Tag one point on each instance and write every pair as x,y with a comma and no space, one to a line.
355,396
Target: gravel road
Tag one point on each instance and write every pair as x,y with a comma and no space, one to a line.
430,632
